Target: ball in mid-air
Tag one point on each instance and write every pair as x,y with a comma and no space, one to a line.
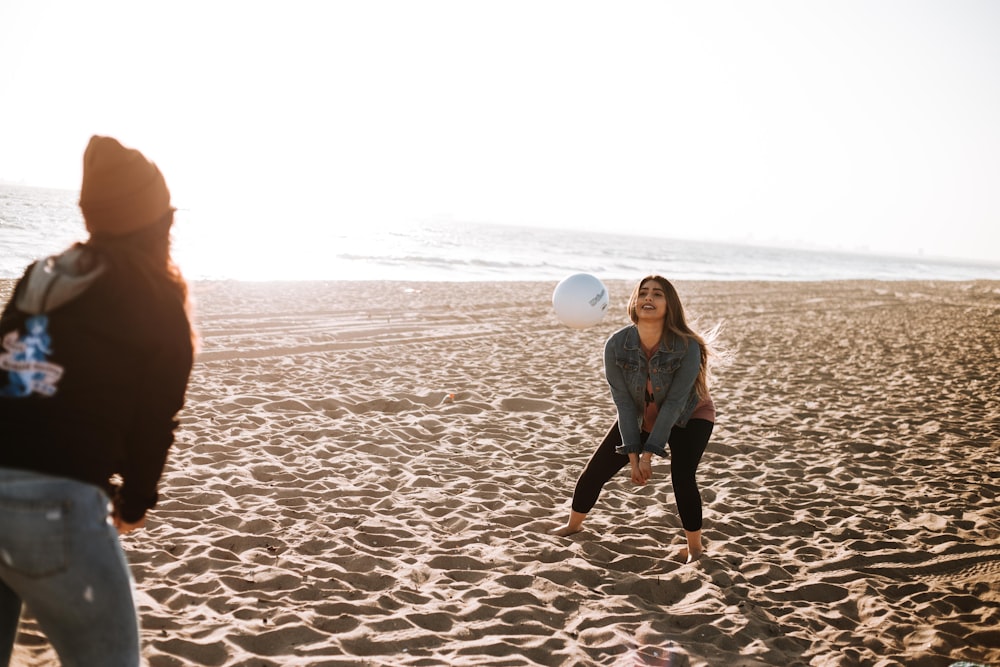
580,300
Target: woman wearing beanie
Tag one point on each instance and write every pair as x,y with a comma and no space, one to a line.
96,348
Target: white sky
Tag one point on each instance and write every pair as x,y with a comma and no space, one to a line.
843,124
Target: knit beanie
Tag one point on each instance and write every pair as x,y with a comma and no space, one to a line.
122,191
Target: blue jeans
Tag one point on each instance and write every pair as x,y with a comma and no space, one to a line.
60,556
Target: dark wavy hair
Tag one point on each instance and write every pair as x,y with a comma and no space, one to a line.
147,252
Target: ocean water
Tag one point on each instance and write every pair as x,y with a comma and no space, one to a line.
36,222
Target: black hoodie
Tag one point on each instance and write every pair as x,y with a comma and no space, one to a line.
95,357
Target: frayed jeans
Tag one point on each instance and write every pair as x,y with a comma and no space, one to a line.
687,444
60,556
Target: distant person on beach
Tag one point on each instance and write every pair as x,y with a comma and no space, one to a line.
657,369
96,348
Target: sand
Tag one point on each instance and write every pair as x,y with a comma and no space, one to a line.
365,474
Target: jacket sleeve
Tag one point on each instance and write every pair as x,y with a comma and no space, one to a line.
151,431
676,398
628,414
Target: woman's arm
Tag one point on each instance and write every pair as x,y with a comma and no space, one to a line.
628,414
151,432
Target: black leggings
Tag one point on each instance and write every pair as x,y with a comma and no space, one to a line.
687,444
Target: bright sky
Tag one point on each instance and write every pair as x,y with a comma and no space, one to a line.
843,123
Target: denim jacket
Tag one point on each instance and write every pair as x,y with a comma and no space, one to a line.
673,370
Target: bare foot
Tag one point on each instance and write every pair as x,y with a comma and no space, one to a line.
689,556
563,531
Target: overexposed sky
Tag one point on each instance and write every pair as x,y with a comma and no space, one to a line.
845,124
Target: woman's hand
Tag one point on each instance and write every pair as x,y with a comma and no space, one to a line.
126,527
642,469
633,460
645,469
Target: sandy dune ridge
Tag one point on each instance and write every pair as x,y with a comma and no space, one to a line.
365,474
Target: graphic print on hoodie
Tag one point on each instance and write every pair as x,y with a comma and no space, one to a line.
49,284
26,360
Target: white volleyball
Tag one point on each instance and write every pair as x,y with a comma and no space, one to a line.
580,300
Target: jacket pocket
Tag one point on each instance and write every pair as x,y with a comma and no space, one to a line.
628,366
669,365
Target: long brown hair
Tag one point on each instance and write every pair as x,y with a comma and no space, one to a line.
675,325
147,251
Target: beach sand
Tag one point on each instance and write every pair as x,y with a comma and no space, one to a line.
365,474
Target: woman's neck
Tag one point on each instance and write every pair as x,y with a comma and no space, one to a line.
650,334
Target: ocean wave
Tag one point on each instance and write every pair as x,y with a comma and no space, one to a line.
35,223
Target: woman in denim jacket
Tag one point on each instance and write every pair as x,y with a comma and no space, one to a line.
657,369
